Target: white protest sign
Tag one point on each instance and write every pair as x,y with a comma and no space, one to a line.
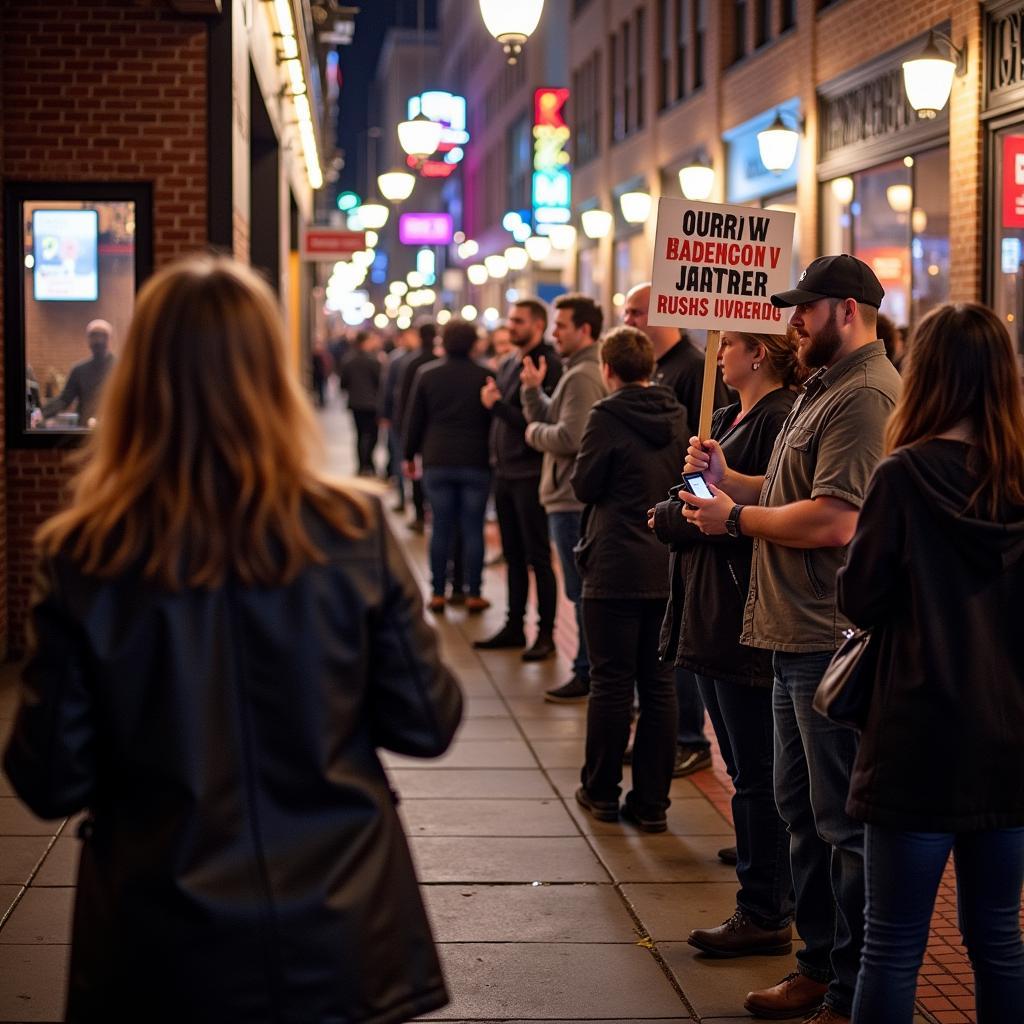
715,267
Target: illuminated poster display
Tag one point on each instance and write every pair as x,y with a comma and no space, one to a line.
449,111
425,228
64,250
552,182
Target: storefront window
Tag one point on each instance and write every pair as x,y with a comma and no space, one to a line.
895,218
75,261
589,273
632,262
1007,261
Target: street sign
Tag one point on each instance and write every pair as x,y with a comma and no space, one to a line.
329,244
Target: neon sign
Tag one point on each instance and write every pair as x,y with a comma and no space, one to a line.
450,112
552,182
425,228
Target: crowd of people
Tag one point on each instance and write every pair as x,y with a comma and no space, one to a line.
208,590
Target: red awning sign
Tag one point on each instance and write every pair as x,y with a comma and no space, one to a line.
330,244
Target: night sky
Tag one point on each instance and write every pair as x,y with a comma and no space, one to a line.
358,65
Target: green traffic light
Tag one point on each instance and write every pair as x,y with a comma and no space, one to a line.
348,201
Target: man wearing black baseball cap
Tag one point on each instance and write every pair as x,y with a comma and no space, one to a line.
802,514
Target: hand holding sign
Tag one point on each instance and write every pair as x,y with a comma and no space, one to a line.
706,457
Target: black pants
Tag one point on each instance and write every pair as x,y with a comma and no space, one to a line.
366,438
523,525
622,641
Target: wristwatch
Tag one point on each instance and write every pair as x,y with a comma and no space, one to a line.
732,524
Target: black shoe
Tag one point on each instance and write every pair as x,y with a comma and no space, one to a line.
601,810
572,692
543,647
739,936
728,855
690,760
644,822
504,639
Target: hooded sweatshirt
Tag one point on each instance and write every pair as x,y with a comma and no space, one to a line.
631,452
942,588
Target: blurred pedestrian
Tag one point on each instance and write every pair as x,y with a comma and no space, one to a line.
936,571
360,378
427,332
221,637
406,346
86,379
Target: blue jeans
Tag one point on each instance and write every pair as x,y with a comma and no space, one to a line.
742,719
458,497
813,763
690,731
903,874
565,532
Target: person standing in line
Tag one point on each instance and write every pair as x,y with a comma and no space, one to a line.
680,367
555,428
517,472
424,354
360,378
221,639
630,453
85,382
936,572
500,346
448,426
801,515
710,578
406,347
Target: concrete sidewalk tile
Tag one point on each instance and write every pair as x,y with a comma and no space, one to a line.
528,913
663,858
567,781
717,988
489,859
41,916
8,894
530,981
483,707
470,754
488,729
473,681
35,978
17,820
61,864
6,789
19,856
471,783
559,753
537,707
554,728
487,818
692,817
671,910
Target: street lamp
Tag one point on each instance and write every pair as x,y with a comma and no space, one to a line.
516,258
497,266
635,206
697,182
511,22
477,273
928,77
596,223
396,186
842,189
777,144
538,247
373,215
562,236
420,136
900,198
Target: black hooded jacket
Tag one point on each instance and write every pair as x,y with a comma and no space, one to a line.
631,452
943,748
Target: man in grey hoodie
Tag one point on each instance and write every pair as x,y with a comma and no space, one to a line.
555,428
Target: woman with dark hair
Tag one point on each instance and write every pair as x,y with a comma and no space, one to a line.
710,577
936,571
450,428
221,639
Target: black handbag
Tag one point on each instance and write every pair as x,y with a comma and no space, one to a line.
844,694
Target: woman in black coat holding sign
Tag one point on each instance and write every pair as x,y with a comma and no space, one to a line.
710,577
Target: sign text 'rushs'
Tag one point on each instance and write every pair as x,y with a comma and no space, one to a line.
716,266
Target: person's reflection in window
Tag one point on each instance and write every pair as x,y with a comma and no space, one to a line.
85,380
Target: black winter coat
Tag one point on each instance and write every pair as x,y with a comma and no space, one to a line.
681,370
360,375
943,748
243,861
710,576
632,449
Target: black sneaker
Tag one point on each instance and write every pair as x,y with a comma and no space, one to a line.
601,810
728,855
572,692
690,760
505,639
644,822
541,649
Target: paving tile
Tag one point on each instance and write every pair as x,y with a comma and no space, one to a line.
41,916
471,754
500,980
537,707
554,728
663,858
692,817
61,864
19,856
567,780
671,910
565,753
472,679
487,818
17,820
488,729
488,859
34,980
8,894
470,783
483,707
528,913
6,789
717,988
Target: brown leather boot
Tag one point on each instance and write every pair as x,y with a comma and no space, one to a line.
826,1015
794,995
739,936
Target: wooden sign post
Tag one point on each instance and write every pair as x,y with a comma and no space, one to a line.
715,267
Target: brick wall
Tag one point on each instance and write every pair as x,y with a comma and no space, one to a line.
96,91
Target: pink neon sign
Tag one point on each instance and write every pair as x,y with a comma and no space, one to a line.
425,228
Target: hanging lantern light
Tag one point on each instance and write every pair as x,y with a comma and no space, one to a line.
928,77
842,190
396,186
477,273
516,257
562,236
538,247
497,266
900,198
373,215
420,137
511,22
777,145
635,206
596,223
697,182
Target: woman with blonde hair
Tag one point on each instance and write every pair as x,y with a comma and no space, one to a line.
936,571
221,638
